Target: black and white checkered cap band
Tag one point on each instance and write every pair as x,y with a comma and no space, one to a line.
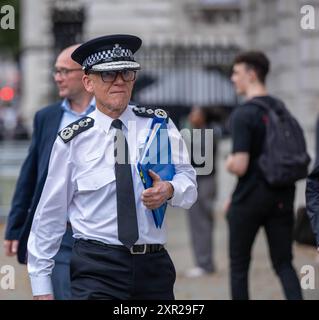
105,56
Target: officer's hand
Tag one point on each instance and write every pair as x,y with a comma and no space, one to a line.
44,297
155,196
11,247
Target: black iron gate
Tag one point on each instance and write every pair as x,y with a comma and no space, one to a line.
185,75
67,27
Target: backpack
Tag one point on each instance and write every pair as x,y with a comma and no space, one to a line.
284,158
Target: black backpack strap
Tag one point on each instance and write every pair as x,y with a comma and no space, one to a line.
278,107
260,103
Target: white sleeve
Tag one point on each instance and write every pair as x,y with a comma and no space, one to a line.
50,219
184,181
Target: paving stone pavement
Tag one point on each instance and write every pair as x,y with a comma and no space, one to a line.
263,282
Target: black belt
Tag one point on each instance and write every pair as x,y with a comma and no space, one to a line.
136,249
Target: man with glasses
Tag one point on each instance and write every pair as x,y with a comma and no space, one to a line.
119,252
76,103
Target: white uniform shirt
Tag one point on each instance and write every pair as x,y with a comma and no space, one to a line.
81,187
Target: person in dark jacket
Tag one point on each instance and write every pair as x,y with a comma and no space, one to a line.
76,104
312,201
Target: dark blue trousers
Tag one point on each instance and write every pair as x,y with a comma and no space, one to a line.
99,272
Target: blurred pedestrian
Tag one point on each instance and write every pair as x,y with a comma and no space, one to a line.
200,215
317,142
76,103
20,131
255,203
312,191
2,129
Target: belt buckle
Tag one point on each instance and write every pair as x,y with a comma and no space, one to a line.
139,252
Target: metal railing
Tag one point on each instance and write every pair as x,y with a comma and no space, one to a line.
184,75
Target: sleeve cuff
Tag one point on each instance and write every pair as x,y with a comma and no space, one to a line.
12,235
41,285
176,199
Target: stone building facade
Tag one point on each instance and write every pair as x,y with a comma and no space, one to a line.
159,22
275,27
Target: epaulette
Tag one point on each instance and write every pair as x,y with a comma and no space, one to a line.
76,127
150,113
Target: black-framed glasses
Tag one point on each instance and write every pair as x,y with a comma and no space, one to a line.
110,76
63,72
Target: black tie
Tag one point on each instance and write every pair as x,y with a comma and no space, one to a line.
126,209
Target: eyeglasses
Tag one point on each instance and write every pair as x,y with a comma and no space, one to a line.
110,76
63,72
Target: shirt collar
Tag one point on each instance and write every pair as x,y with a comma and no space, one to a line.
127,116
105,121
66,107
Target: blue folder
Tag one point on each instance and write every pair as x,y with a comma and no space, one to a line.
157,156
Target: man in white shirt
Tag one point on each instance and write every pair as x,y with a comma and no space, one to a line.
119,252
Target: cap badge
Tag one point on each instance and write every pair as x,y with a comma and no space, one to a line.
117,50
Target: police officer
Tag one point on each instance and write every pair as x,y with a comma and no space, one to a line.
118,253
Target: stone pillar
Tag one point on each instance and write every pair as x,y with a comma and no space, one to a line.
35,57
308,76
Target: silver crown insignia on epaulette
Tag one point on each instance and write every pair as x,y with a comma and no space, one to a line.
67,133
160,113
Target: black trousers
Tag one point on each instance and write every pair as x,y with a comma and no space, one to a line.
272,210
99,272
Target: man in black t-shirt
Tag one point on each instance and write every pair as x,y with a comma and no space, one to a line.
255,203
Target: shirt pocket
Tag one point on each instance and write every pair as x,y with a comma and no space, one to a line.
96,154
96,180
